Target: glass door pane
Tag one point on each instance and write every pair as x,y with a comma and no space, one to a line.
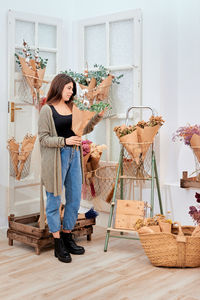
51,64
95,45
46,36
121,42
25,31
122,94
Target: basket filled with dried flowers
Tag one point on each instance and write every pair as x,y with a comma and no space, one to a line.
172,245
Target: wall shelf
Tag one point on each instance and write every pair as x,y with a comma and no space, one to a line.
189,182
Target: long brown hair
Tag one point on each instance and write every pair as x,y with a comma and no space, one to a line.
57,86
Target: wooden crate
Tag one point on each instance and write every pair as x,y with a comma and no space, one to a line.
189,182
127,213
26,229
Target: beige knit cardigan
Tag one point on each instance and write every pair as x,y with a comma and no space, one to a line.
50,144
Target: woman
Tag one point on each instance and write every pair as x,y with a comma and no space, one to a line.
61,163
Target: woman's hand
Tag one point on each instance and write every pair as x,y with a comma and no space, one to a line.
73,140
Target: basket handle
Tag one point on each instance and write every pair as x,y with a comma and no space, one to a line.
180,231
181,246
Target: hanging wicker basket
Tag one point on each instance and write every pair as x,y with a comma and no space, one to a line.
106,176
176,249
19,163
137,159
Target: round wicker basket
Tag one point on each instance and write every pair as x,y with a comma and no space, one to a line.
176,249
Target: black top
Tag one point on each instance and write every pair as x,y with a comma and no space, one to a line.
63,124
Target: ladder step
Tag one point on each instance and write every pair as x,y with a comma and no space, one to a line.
121,230
136,178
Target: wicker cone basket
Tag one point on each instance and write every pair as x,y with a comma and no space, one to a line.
172,250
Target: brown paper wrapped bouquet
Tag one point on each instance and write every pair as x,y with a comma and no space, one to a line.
147,131
94,83
95,155
137,139
91,157
129,138
83,112
33,69
20,152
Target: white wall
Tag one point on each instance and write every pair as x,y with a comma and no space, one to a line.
171,64
189,74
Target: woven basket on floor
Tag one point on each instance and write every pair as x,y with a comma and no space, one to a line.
172,249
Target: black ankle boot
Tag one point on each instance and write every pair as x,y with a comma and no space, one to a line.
60,251
70,244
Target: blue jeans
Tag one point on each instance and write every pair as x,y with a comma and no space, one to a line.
72,180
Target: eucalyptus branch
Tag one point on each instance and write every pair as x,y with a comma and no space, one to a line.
97,107
99,73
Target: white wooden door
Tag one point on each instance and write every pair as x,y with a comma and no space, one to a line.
43,33
114,41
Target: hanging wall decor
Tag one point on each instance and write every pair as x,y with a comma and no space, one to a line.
33,68
20,156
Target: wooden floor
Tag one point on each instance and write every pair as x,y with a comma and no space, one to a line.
124,272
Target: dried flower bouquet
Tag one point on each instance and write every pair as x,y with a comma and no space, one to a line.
20,152
138,138
190,135
95,83
147,131
158,223
83,112
33,68
91,157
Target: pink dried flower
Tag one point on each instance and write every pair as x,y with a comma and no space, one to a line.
185,133
86,147
86,142
194,211
197,196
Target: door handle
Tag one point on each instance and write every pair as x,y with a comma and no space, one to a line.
12,111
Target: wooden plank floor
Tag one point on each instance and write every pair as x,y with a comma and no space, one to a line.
124,273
